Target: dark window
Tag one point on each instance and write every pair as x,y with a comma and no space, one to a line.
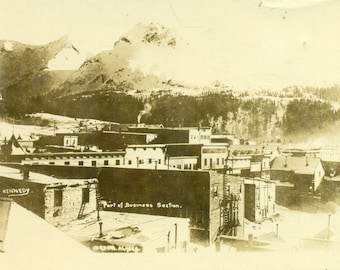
150,160
199,216
218,161
94,163
86,195
205,162
106,162
159,161
81,163
130,162
117,162
58,197
215,190
51,163
67,163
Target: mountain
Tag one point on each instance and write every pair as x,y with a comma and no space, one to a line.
115,69
28,64
25,74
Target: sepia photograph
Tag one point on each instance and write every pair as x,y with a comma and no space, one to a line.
168,134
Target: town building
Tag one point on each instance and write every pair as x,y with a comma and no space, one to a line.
298,176
198,195
330,186
167,135
145,156
305,173
183,156
89,159
56,200
213,156
259,196
250,160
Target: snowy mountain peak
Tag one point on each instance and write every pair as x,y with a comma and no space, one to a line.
149,33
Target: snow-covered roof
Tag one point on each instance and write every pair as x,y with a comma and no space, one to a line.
300,165
15,174
32,237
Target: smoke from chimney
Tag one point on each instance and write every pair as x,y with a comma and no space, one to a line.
146,110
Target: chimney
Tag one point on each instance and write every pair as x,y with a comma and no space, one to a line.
25,172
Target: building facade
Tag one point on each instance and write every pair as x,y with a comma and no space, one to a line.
58,201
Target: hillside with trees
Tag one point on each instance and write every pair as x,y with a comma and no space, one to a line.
259,118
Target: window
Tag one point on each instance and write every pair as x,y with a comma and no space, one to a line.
218,161
51,163
159,161
106,162
67,163
205,162
186,166
199,216
215,190
130,162
94,163
150,160
117,162
81,163
85,195
58,198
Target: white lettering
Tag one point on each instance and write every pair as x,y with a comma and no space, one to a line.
168,205
116,248
16,191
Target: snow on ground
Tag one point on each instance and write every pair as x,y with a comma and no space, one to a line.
294,225
31,243
7,130
54,124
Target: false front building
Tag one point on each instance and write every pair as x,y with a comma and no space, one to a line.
197,195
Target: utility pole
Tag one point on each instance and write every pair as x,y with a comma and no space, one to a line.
328,227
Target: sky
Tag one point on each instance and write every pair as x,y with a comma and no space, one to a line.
245,44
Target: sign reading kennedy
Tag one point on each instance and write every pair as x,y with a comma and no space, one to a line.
14,192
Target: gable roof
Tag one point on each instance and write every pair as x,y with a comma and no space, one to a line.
300,165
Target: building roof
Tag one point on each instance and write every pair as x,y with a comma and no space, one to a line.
300,165
244,149
38,244
15,174
146,146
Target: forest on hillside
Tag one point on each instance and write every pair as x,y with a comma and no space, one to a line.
252,118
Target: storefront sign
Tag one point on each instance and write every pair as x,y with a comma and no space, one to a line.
13,192
141,205
104,246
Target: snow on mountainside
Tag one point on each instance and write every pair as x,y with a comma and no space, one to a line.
121,68
21,62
